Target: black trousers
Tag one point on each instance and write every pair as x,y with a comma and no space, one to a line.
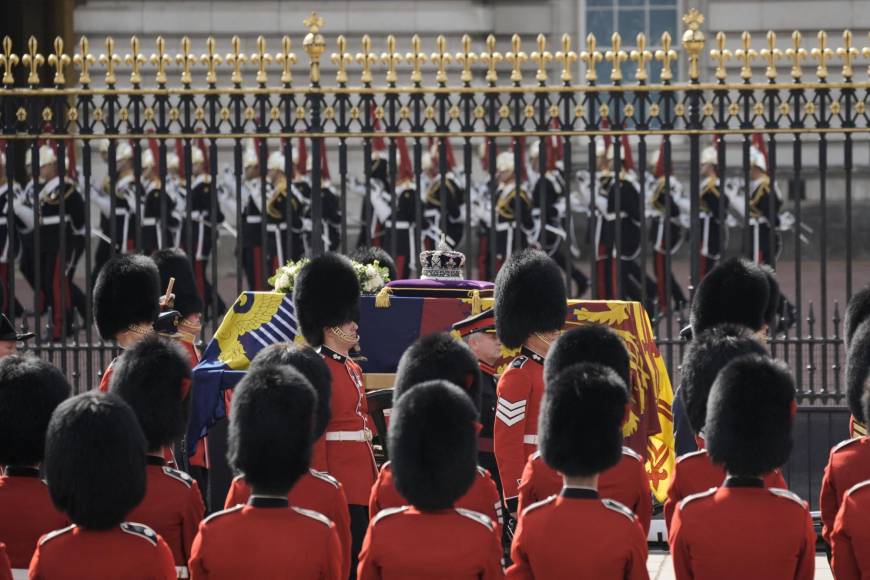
359,523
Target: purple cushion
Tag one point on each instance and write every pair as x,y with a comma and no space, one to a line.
440,288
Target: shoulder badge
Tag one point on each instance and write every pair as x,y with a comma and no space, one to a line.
614,505
858,486
385,513
178,475
690,455
519,361
779,492
227,511
140,531
477,517
52,535
313,515
694,496
539,504
845,443
323,476
632,453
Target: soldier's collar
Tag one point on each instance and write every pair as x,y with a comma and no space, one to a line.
21,471
579,492
526,351
740,481
329,353
268,501
487,368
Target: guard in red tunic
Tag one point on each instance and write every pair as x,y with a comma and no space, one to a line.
433,445
30,389
706,356
530,309
151,377
95,467
744,529
857,311
270,436
315,490
578,534
326,301
439,357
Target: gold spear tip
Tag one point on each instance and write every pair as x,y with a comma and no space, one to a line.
313,23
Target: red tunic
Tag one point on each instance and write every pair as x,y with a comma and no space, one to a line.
107,376
459,544
26,513
266,539
172,507
314,491
578,535
695,473
515,433
848,465
743,530
5,566
850,538
626,482
129,551
345,451
481,497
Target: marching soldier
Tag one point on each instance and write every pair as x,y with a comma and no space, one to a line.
665,208
762,200
284,201
177,195
403,224
330,204
252,218
154,195
713,205
23,224
481,220
126,192
508,225
454,197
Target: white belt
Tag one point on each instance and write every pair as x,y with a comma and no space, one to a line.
361,435
19,574
253,219
182,572
398,225
530,439
149,221
53,220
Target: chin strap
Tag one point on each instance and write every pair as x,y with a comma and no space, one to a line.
141,329
344,336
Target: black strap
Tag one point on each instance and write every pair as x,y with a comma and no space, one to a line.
579,493
20,471
260,501
737,481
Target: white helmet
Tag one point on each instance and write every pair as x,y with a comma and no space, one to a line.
535,150
196,156
276,161
249,158
47,156
504,161
426,162
102,146
147,159
709,156
309,163
652,160
172,161
756,158
123,152
602,149
2,158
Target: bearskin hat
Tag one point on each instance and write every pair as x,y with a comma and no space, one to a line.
438,357
152,377
433,444
529,297
312,366
95,460
326,293
771,312
173,263
30,390
368,255
735,291
127,291
749,416
857,311
581,420
272,428
588,343
858,370
705,357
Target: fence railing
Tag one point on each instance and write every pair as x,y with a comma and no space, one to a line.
183,141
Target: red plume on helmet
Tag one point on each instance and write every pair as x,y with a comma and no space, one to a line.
155,151
520,142
72,171
406,170
627,157
484,159
553,144
324,162
604,125
302,157
758,142
378,142
200,142
179,151
451,159
659,169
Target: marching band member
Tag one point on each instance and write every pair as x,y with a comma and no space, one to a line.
284,203
665,208
507,224
154,198
454,197
23,224
403,223
712,202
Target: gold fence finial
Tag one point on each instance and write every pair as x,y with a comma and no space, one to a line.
84,59
466,58
185,59
286,59
796,54
693,41
441,59
161,60
822,54
236,59
771,54
720,55
34,60
8,60
211,59
516,57
58,60
642,57
391,58
567,57
747,55
416,58
135,59
366,59
261,58
542,56
491,58
109,59
341,59
616,56
591,57
314,44
847,53
666,55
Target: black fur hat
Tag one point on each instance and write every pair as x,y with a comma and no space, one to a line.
749,416
858,370
705,357
326,293
529,297
771,312
438,357
95,460
272,428
865,400
127,291
30,390
312,366
152,377
588,343
433,445
736,291
368,255
857,311
173,263
581,420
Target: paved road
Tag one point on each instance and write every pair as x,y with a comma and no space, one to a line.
661,567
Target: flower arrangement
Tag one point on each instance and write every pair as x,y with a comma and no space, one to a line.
372,277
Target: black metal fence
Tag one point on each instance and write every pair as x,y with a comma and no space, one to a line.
592,196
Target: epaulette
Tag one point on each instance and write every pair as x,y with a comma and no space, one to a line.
216,515
238,478
779,492
56,533
385,513
477,517
518,362
691,454
695,496
631,453
313,515
614,505
140,531
858,486
323,476
535,455
178,476
483,472
845,443
385,465
538,504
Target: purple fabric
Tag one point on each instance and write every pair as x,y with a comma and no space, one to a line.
417,287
